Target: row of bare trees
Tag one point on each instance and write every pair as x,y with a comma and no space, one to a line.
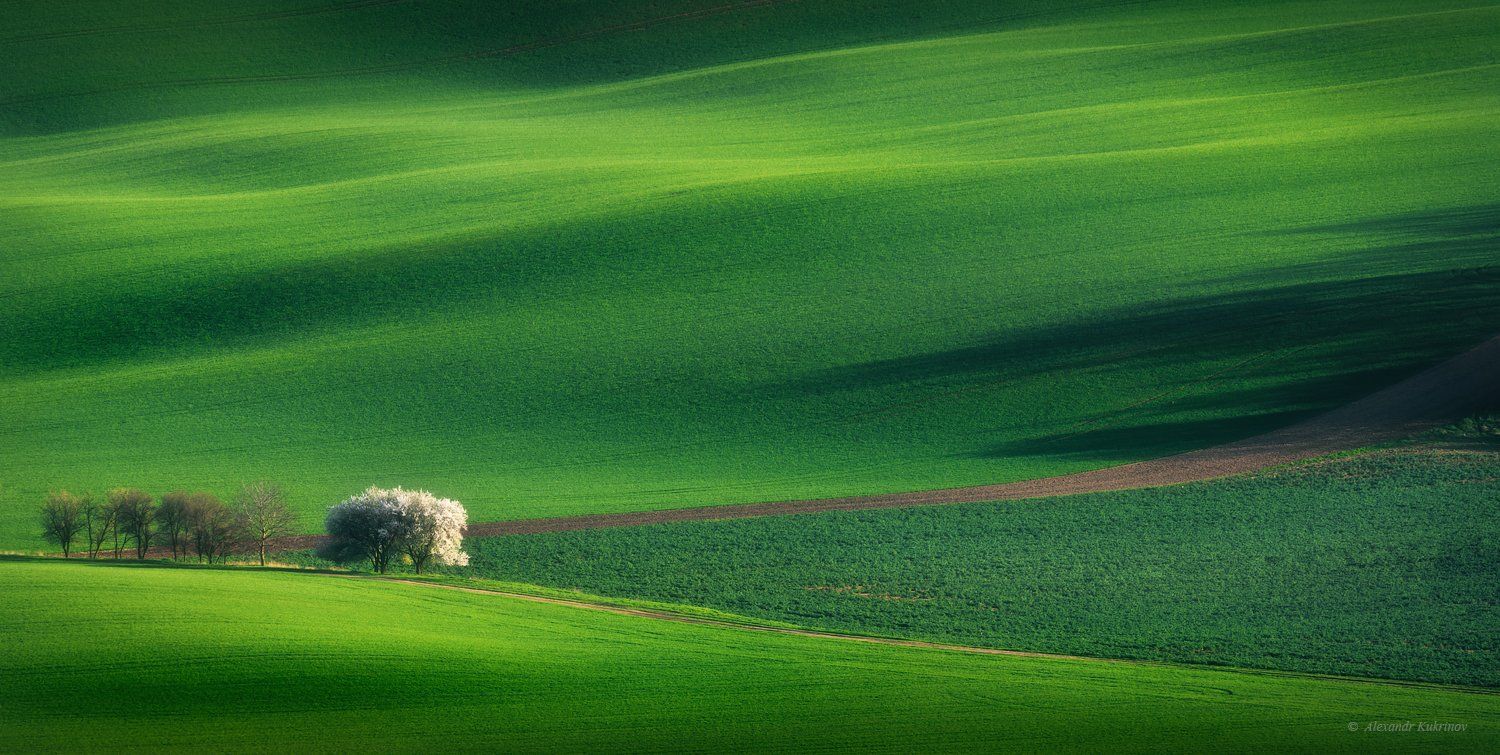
186,523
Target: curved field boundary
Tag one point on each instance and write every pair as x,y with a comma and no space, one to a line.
1460,386
750,626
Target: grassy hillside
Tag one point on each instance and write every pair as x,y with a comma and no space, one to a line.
154,658
547,260
1383,564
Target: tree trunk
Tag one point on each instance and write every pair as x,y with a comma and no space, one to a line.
262,553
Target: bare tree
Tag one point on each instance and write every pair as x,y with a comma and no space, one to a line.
99,518
137,517
62,520
89,510
262,515
114,511
171,520
210,524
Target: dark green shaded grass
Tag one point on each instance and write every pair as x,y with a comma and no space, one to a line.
1382,564
151,659
108,62
811,249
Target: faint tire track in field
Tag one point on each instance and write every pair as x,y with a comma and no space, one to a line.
1448,391
750,626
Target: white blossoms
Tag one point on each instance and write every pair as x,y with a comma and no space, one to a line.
381,524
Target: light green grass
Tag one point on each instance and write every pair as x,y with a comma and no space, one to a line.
1379,564
800,250
147,658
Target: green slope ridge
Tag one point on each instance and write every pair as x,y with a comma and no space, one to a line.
155,658
781,251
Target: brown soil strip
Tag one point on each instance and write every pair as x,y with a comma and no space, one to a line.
1457,388
1450,391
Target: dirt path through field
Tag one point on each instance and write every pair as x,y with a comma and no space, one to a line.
1449,391
1456,388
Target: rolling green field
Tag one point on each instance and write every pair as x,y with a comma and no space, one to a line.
1382,564
150,658
547,259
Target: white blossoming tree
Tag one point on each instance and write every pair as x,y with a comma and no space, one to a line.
431,529
379,525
